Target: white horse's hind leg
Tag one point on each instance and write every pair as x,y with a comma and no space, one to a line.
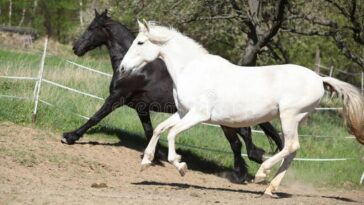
189,120
149,151
291,144
273,186
289,126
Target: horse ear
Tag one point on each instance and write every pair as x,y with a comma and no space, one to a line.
142,27
146,24
105,13
96,13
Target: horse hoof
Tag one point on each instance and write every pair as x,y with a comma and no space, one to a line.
69,138
257,155
259,179
67,141
270,195
64,140
145,164
144,167
238,178
182,168
178,157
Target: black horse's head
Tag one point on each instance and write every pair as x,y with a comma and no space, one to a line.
95,35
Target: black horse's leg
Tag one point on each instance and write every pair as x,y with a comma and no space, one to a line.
271,132
254,153
112,102
240,169
144,117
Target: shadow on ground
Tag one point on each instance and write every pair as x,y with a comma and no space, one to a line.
139,143
258,194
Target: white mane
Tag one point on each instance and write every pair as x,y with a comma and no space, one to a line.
158,32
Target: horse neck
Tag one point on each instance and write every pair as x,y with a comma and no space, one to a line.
118,43
176,57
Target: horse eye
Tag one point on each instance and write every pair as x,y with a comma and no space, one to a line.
140,43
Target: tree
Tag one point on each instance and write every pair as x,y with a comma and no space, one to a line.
341,21
261,23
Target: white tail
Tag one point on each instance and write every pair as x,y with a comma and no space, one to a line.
353,110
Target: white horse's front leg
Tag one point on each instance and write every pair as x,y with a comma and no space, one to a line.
149,151
189,120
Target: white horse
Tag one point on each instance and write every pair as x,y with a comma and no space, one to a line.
208,88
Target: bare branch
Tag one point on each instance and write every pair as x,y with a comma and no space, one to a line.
210,18
277,22
341,9
307,32
346,51
245,20
314,20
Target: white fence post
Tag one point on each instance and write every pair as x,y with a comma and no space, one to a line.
39,82
317,61
331,70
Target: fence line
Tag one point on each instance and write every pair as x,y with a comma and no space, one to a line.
328,108
265,157
18,77
339,70
15,97
50,104
72,89
89,69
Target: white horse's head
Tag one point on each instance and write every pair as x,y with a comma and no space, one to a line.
145,48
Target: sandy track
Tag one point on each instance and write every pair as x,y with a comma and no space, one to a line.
35,168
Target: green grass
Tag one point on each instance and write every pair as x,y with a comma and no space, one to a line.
26,62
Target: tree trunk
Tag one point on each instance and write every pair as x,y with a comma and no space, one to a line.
10,11
81,13
59,14
47,18
35,5
22,17
249,58
258,35
34,10
255,10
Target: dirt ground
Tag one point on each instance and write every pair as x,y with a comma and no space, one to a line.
35,168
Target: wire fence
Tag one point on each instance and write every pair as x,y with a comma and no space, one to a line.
40,79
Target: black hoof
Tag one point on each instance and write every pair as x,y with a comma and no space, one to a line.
235,177
69,138
256,155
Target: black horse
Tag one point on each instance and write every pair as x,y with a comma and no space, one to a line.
149,89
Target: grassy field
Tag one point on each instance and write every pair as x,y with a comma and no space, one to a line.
210,142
